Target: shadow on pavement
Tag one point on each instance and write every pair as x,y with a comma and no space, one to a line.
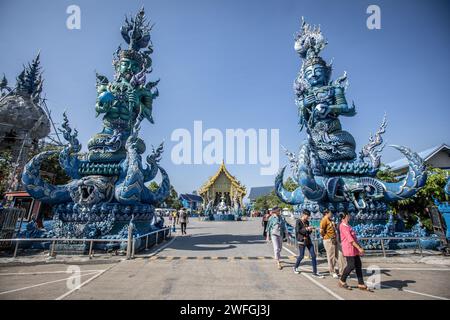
396,284
216,241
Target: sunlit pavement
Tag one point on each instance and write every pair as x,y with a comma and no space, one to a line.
216,260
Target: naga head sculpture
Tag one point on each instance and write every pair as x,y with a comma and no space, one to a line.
92,190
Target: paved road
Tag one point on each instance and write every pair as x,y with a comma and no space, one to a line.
216,260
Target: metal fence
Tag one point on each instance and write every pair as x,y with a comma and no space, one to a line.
130,241
8,222
293,242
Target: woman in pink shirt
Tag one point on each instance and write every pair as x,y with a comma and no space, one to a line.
352,252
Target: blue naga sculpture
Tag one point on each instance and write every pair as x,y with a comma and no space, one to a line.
327,169
108,189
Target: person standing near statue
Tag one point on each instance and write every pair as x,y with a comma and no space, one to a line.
303,234
265,220
276,232
183,219
330,242
174,217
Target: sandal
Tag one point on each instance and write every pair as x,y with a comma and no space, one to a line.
364,288
279,266
344,285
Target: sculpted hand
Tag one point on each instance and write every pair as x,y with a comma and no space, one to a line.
133,97
309,100
322,110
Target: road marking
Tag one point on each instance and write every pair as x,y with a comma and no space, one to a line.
83,284
316,282
416,292
415,269
43,272
43,284
407,290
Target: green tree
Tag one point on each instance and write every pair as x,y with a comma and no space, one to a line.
51,164
386,174
5,169
271,200
172,201
55,174
416,205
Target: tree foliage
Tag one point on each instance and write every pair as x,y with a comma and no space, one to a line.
415,206
172,201
271,200
51,165
5,169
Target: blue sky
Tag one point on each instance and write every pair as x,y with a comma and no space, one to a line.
231,64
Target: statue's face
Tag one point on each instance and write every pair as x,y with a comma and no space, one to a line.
128,68
316,75
91,190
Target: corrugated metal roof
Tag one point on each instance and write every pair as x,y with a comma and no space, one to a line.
256,192
191,197
425,155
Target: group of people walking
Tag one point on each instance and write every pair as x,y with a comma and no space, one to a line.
340,242
179,217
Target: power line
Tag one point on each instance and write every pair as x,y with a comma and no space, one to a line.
51,120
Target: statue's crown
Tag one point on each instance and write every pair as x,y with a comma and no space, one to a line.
136,33
132,55
309,42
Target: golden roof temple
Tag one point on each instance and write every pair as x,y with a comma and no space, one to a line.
222,183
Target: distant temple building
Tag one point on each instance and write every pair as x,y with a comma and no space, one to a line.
436,157
256,192
222,184
190,201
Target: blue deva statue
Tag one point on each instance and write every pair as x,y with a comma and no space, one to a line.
326,168
107,188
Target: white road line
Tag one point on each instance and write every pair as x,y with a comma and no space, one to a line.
44,272
416,292
83,284
42,284
407,290
415,269
316,282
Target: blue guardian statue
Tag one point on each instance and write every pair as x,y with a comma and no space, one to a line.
108,190
327,169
